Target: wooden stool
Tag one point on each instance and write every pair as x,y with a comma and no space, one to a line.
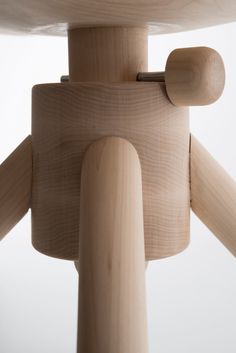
110,171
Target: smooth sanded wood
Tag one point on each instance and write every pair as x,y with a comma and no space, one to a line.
55,17
194,76
112,306
15,186
67,118
107,54
76,263
213,195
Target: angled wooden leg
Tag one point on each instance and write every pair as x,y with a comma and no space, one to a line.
112,309
15,186
213,195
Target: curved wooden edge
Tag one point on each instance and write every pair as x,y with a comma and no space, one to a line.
15,186
213,195
112,308
194,76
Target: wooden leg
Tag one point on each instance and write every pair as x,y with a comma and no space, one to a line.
112,312
213,195
15,186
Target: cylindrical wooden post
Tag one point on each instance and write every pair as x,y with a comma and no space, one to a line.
112,313
112,308
111,54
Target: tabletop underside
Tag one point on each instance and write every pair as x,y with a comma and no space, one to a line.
161,16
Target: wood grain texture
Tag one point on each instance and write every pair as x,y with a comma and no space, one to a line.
15,186
112,305
107,54
67,118
55,17
194,76
213,195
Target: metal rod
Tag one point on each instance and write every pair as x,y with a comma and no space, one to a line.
142,76
65,78
151,76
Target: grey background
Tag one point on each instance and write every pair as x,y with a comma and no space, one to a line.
191,296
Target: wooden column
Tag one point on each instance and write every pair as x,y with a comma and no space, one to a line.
112,54
112,308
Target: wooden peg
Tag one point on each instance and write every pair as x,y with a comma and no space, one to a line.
112,308
213,195
194,76
15,186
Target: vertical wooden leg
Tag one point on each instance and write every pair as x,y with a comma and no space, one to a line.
112,308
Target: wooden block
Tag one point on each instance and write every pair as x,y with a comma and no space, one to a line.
67,118
112,305
15,186
213,195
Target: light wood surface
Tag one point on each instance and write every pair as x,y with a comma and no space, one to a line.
213,195
15,186
54,17
67,118
107,54
194,76
76,263
112,306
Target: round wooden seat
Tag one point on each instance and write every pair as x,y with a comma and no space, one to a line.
55,17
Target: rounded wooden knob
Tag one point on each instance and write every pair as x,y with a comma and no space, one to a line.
194,76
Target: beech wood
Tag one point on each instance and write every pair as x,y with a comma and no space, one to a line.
76,263
107,54
213,195
112,306
67,118
194,76
55,17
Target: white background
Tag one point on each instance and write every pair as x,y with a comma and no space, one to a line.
191,296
